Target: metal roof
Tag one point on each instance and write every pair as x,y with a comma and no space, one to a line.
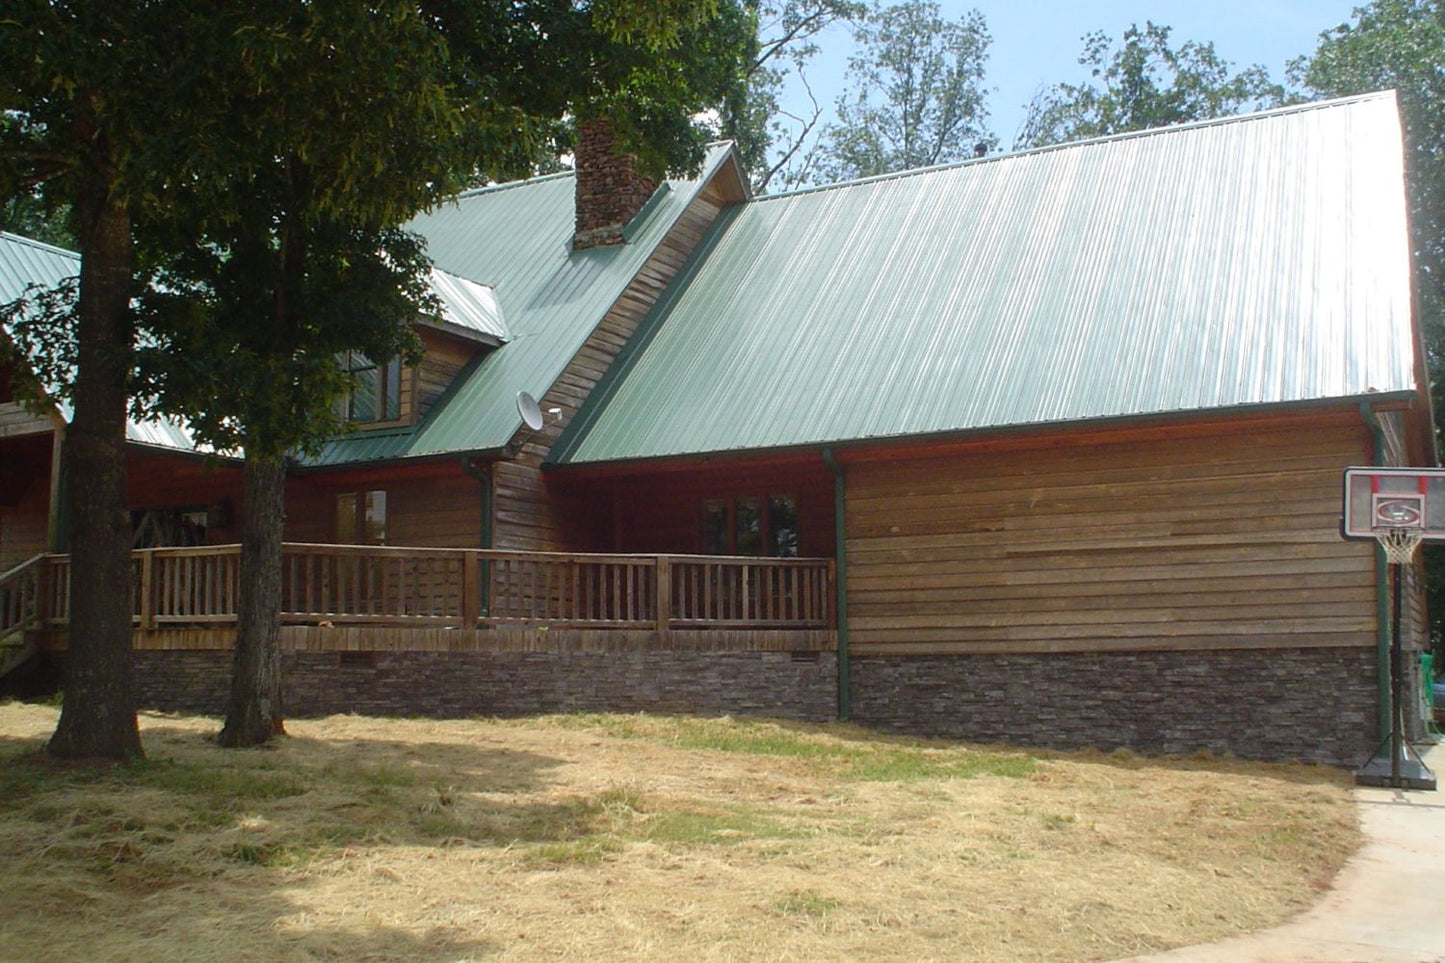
24,263
1247,261
517,239
469,306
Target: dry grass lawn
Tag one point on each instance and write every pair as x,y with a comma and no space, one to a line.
641,838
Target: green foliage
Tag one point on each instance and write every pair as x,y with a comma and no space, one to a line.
1400,44
30,215
1141,84
917,94
773,143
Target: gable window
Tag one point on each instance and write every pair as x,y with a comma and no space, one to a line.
361,518
375,393
753,525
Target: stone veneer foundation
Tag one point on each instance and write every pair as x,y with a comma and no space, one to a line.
1312,704
1316,705
782,685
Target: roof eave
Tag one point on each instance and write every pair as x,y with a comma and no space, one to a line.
1379,400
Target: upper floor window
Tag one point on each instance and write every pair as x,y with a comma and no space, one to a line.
751,525
375,393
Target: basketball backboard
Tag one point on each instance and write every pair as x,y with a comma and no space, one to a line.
1379,500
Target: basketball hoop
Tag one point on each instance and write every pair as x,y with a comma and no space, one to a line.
1399,543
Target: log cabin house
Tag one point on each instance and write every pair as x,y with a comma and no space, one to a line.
1042,447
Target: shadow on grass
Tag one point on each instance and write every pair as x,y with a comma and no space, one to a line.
199,843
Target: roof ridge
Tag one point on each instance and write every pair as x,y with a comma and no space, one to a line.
42,245
1089,142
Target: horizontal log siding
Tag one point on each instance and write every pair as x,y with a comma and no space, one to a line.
1223,542
23,525
15,420
533,513
435,505
445,358
663,512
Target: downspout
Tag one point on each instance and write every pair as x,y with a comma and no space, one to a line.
484,478
1382,599
841,566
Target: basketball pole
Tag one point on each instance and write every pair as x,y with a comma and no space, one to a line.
1406,770
1397,688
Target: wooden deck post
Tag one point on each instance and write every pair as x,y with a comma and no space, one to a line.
663,599
471,589
147,590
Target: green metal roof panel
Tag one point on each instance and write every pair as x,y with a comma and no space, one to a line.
517,240
1258,260
469,306
24,262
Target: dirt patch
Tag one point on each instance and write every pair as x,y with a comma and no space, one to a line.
632,837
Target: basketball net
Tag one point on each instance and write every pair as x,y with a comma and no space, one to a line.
1399,543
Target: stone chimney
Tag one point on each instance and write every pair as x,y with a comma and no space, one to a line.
609,191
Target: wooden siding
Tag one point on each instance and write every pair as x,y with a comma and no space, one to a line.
23,525
536,513
187,483
663,512
1210,542
430,504
15,421
445,357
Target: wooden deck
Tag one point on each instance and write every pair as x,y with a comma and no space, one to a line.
188,597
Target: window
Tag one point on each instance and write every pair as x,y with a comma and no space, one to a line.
751,525
375,393
361,518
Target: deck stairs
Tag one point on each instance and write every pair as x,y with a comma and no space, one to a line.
20,613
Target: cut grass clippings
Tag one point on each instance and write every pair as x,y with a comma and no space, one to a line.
641,837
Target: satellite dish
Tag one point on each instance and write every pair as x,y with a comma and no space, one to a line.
530,411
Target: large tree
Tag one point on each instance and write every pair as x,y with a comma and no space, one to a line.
88,123
917,94
776,145
1141,83
1400,44
248,322
136,151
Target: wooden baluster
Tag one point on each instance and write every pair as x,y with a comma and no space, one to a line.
663,593
147,591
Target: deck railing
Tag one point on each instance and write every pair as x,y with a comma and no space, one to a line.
466,588
21,602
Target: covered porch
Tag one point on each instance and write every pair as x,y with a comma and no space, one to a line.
383,596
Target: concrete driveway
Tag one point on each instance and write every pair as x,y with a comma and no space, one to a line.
1388,903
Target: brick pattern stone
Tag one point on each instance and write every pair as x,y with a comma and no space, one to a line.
460,684
609,190
1312,704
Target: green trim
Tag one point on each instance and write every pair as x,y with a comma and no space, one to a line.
845,688
1382,598
1163,419
597,399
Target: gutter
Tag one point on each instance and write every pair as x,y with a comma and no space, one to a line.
839,499
1382,601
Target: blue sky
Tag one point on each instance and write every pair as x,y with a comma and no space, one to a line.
1037,42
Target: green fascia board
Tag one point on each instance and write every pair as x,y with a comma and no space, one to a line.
994,432
1251,261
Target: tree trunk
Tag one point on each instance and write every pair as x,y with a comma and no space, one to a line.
254,716
98,715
